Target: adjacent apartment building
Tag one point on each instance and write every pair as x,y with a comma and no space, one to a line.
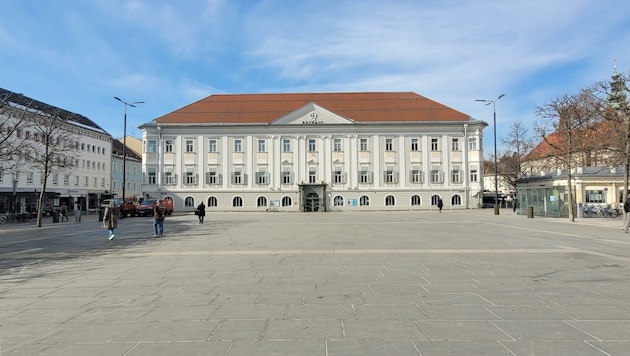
85,180
314,152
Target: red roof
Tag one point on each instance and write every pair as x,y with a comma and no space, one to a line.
266,108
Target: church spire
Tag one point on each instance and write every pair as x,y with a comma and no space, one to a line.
617,96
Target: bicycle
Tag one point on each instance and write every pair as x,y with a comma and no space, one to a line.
7,218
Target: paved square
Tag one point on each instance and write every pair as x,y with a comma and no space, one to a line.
373,283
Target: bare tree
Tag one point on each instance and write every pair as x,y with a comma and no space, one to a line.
54,146
13,119
568,125
518,143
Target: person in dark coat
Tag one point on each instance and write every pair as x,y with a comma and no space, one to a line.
201,212
111,215
626,208
440,204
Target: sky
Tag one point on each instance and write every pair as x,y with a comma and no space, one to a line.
80,54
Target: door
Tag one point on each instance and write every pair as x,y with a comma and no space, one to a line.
311,202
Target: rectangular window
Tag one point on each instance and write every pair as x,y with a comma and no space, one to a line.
416,175
455,144
151,176
472,143
312,146
363,144
238,146
168,145
286,177
102,182
339,176
286,145
436,176
434,144
86,181
456,176
190,176
389,175
212,177
261,146
595,196
29,177
337,145
94,181
473,175
212,145
389,144
55,178
151,146
365,176
168,178
414,144
76,180
261,176
190,147
312,175
66,180
237,177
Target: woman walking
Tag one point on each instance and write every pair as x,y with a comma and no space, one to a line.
110,218
201,212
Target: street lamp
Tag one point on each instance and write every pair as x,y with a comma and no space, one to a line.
133,105
496,180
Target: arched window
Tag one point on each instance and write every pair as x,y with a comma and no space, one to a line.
189,202
237,201
416,200
390,200
338,200
435,199
364,200
456,200
212,201
261,202
287,201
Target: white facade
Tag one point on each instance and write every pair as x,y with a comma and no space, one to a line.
315,160
82,184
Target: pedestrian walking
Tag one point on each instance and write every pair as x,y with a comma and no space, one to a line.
440,204
201,212
626,208
159,213
111,215
64,212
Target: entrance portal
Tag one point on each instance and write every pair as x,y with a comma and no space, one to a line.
311,202
313,197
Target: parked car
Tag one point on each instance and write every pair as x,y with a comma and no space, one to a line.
145,208
126,208
46,211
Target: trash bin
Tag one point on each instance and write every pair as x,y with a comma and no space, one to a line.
101,211
55,216
530,212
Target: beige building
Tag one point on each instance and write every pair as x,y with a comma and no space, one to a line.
314,152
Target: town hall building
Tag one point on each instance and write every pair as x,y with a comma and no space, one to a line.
314,152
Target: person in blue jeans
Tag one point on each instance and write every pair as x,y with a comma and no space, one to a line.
159,212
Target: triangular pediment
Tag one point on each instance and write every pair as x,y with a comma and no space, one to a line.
312,114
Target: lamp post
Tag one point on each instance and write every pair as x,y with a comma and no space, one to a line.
496,180
133,105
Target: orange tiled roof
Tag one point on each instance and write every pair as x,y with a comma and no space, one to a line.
265,108
556,144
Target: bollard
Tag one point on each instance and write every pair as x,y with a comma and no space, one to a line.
530,212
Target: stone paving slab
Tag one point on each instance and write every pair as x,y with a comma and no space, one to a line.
373,283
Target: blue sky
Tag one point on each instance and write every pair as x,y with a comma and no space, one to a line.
79,54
